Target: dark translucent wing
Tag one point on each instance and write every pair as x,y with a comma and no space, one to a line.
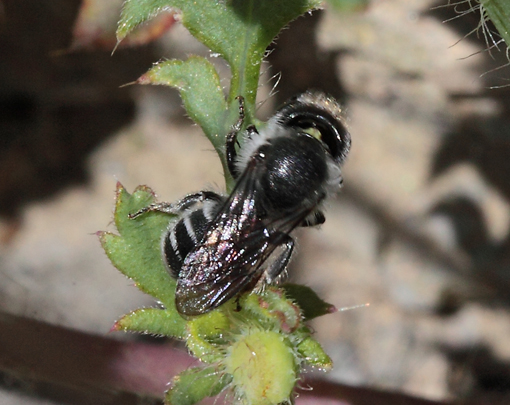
233,250
200,298
207,277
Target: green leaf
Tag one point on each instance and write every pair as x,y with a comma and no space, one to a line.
205,335
136,251
153,321
499,13
201,92
257,341
238,30
195,384
313,354
272,309
309,302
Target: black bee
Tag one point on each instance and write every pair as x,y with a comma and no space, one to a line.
220,245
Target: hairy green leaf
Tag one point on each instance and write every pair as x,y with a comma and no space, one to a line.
205,335
272,309
201,92
135,252
155,321
313,354
310,303
238,30
195,384
499,13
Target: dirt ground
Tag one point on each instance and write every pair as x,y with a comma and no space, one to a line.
420,232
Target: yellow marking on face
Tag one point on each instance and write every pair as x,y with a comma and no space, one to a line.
313,132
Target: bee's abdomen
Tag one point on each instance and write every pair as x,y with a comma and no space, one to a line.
185,235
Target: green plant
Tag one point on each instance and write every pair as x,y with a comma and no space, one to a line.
495,11
270,323
498,11
238,31
259,344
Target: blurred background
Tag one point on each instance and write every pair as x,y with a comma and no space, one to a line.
420,231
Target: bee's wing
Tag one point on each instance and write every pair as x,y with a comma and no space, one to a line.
232,251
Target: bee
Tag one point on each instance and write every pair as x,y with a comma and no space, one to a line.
223,245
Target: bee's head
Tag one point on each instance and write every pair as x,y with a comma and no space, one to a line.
320,117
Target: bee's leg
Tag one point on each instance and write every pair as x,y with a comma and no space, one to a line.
317,218
181,205
276,268
231,140
251,129
200,197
